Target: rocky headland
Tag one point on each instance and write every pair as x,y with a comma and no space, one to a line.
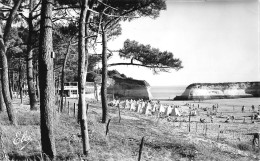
200,91
128,88
122,87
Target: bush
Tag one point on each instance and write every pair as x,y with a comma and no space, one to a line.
244,147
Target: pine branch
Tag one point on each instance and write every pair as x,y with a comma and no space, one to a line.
3,18
107,5
143,65
10,19
36,6
93,11
62,8
113,50
24,17
127,12
5,9
35,16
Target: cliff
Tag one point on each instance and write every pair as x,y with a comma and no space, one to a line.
128,88
220,90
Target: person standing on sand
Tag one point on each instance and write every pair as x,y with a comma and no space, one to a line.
253,108
243,109
211,118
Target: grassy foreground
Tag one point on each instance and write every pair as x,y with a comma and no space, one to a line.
164,139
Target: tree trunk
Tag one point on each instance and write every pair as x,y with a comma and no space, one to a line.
2,103
37,82
20,82
82,73
4,63
46,80
29,61
10,84
104,76
95,90
5,81
5,86
57,88
62,75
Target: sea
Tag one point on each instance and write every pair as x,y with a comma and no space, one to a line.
166,92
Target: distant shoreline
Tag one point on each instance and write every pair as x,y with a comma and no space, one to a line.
162,99
201,100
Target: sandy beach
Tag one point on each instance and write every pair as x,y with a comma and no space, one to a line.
226,105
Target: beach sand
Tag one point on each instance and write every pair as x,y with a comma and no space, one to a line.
232,133
225,105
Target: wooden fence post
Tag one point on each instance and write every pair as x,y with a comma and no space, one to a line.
74,110
141,149
59,106
196,126
158,117
87,109
69,108
206,129
119,114
218,132
233,135
65,103
78,114
107,127
189,121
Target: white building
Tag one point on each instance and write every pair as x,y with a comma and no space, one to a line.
92,90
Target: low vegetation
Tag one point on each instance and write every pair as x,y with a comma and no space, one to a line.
163,140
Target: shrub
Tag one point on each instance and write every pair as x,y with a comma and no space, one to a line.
244,146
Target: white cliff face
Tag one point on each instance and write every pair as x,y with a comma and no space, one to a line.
209,92
235,92
204,92
130,89
221,90
149,92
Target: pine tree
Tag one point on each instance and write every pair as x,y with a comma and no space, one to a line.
46,80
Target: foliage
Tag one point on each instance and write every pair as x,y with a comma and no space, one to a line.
111,74
133,8
62,36
115,73
16,53
244,146
91,76
93,60
66,2
113,11
149,57
14,41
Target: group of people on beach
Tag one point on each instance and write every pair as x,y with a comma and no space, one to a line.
253,108
147,107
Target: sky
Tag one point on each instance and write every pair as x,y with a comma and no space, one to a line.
217,41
